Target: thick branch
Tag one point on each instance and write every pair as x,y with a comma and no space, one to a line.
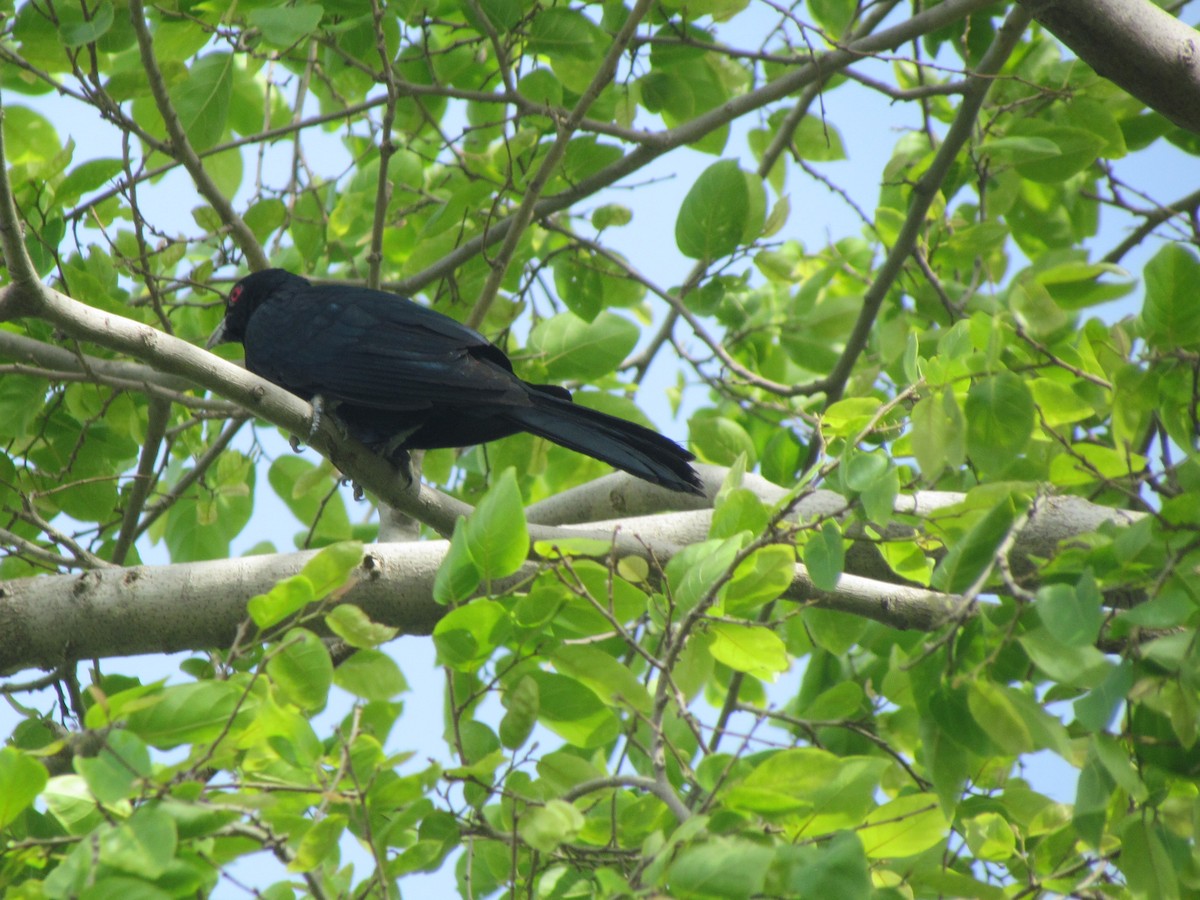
118,612
192,606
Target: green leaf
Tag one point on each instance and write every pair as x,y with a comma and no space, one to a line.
354,627
759,578
332,567
825,556
834,870
1075,150
611,681
371,675
828,791
817,140
1075,665
725,868
971,556
990,837
574,712
319,844
110,774
521,702
1088,463
75,31
1059,403
720,441
904,827
497,537
1148,868
544,828
285,599
202,99
310,493
1014,720
465,637
21,780
201,524
566,548
611,215
300,666
992,707
948,763
571,348
834,15
29,138
1018,150
559,32
458,576
938,433
1076,285
1115,759
185,713
693,572
87,176
502,14
1095,711
1171,316
1000,417
833,630
144,845
748,648
579,284
283,26
725,208
842,701
1073,614
738,510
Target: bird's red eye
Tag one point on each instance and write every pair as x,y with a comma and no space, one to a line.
235,294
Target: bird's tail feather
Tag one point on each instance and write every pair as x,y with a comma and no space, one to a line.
632,448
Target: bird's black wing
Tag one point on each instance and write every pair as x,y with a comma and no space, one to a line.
377,350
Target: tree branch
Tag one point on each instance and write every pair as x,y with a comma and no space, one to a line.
119,612
923,193
119,374
519,221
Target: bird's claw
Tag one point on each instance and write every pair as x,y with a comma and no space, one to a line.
295,444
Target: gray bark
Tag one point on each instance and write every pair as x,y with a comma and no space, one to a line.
48,620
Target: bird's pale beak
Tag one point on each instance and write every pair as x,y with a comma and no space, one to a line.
217,337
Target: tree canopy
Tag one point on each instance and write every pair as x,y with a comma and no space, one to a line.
952,491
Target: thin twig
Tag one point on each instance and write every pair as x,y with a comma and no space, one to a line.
520,220
182,148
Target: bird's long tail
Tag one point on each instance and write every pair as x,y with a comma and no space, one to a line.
637,450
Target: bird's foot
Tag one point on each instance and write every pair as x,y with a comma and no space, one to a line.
318,407
319,410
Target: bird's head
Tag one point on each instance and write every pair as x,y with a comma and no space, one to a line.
245,297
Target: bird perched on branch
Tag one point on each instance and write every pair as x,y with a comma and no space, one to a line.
402,377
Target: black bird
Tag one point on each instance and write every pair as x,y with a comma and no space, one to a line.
402,377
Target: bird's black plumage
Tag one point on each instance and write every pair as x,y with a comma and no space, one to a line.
402,377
